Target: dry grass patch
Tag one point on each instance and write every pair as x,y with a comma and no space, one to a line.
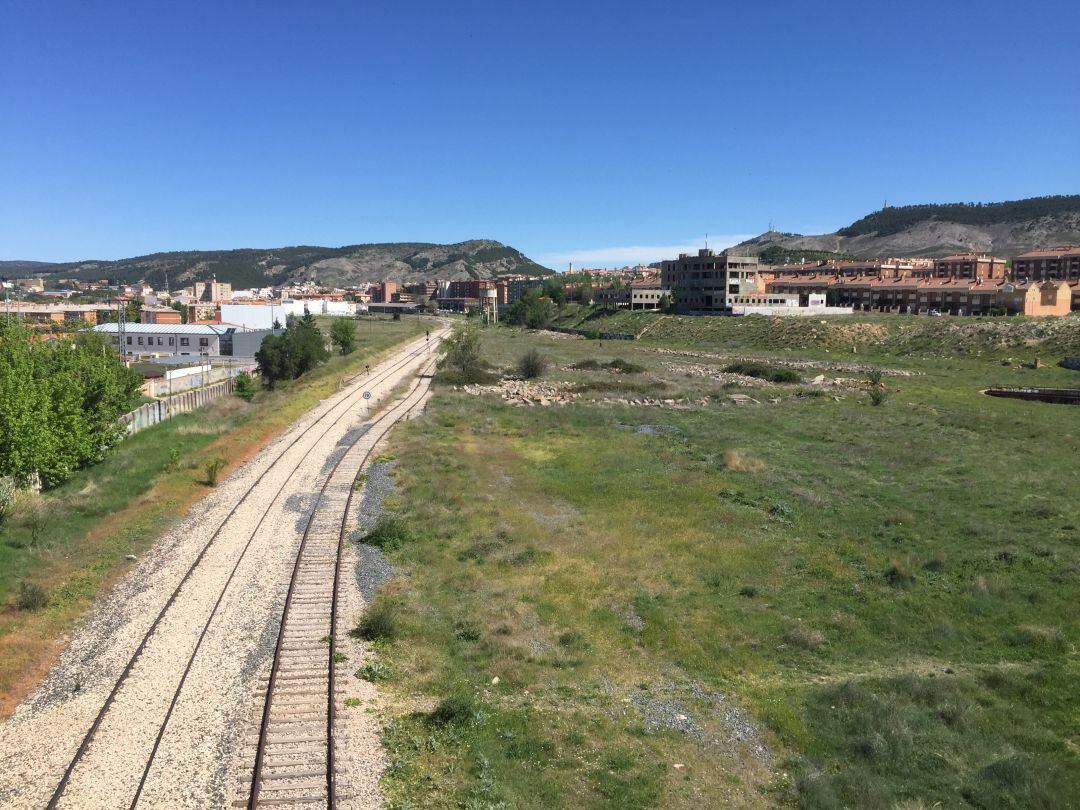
740,461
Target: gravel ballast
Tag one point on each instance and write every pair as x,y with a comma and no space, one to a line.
193,765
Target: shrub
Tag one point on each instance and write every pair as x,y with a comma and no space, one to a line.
936,563
625,366
803,637
749,591
174,459
751,368
36,518
531,365
379,623
617,365
738,461
466,631
244,386
874,376
878,396
456,708
1046,639
375,672
31,596
352,702
899,575
780,510
212,470
461,362
390,533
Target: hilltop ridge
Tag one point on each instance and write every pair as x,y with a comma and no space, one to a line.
1004,229
341,267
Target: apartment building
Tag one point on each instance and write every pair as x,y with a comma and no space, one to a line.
884,268
56,313
945,295
701,284
210,291
477,288
969,265
1048,263
159,315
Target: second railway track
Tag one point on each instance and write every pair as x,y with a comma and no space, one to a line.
294,755
328,417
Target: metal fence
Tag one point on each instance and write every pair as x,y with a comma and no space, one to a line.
151,413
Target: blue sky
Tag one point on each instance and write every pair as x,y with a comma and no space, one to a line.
601,132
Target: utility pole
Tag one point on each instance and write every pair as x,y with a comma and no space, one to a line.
121,327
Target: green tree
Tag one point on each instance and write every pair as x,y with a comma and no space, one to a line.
181,309
244,386
585,293
343,335
298,350
60,403
273,360
553,289
530,310
461,354
306,344
25,440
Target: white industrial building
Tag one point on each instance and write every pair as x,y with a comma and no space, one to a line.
168,338
778,304
262,316
179,340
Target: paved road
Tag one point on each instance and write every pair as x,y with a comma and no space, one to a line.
210,596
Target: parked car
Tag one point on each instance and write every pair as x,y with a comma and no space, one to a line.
934,313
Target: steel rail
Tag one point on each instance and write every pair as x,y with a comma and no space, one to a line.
265,722
92,731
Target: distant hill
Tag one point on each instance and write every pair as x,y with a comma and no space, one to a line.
20,269
257,267
1004,229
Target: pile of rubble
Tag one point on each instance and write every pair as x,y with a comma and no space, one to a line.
525,392
829,365
713,373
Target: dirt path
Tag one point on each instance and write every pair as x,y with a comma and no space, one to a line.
223,619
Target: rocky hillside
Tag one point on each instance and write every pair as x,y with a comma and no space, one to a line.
1003,229
344,266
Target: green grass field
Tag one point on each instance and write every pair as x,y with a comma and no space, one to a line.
73,540
816,603
874,335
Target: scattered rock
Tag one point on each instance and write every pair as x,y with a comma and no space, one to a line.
526,392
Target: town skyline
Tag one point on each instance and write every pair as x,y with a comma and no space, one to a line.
572,133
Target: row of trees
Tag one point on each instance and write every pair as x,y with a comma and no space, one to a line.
60,403
537,306
299,349
302,347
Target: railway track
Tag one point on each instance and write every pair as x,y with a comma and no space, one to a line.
294,753
326,421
